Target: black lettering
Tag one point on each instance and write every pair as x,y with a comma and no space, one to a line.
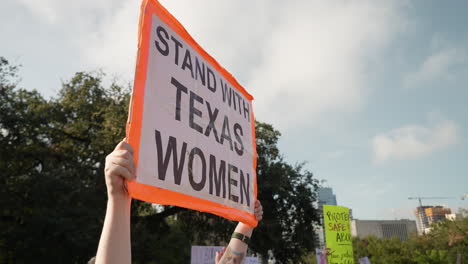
237,131
212,80
226,133
232,181
343,237
219,178
180,88
246,110
177,45
211,125
188,62
171,149
195,112
200,71
164,51
200,185
239,102
226,92
338,237
244,187
338,216
233,95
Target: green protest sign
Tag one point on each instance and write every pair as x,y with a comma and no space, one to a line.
338,234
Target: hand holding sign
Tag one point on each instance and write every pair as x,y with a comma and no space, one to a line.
237,249
119,166
192,130
258,210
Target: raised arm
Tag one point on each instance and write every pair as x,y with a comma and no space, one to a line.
114,245
237,248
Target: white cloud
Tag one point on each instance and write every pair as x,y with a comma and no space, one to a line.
437,66
315,61
103,31
302,60
112,44
69,13
414,141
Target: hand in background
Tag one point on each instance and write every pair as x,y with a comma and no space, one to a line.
258,211
236,250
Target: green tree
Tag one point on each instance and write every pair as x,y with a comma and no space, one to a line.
442,244
53,194
52,191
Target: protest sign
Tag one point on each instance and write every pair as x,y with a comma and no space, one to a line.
191,124
338,234
321,256
251,260
203,254
207,254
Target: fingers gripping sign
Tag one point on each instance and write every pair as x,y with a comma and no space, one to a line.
258,210
120,165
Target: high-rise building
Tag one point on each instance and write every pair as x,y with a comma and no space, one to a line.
421,219
428,215
325,196
383,228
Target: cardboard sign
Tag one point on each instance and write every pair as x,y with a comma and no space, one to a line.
251,260
203,254
338,234
321,256
207,254
191,124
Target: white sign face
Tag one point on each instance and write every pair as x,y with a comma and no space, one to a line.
204,254
321,256
191,125
207,254
251,260
196,134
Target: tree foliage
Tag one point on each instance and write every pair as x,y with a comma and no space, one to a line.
446,240
53,193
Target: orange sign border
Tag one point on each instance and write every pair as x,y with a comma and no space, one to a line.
154,194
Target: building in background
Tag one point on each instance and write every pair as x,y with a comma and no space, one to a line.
451,217
383,228
428,215
325,196
421,219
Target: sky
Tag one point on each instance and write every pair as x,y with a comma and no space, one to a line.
372,95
